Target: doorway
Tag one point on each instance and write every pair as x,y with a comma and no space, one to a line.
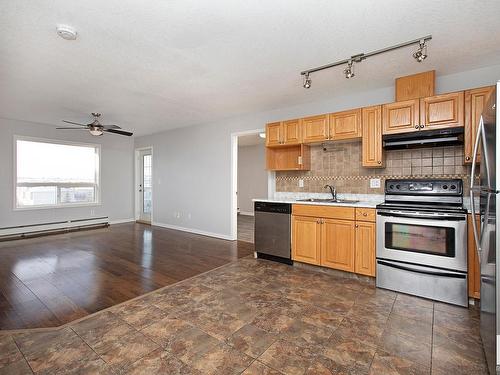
144,185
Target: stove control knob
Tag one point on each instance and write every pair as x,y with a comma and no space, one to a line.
453,187
398,186
391,187
445,187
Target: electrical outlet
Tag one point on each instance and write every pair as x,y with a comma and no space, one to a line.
301,183
374,183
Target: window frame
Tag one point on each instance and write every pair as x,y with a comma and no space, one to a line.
97,185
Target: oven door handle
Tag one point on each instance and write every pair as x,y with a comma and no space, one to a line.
432,273
431,217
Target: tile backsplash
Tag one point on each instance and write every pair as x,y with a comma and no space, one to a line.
339,164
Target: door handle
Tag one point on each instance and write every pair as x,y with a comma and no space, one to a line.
477,240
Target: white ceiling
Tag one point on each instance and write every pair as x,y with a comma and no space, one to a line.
161,64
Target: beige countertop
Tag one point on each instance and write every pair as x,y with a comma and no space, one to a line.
364,200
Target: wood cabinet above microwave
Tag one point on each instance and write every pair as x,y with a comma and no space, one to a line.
401,117
442,111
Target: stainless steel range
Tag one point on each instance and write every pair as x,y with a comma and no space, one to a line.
422,239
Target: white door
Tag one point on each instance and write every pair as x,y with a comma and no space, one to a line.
145,185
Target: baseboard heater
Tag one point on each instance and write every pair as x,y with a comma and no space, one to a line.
44,229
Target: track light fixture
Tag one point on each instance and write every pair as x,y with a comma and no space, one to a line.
349,71
307,81
419,55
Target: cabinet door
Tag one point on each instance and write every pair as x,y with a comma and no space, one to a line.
400,117
315,128
273,134
371,140
365,248
442,111
345,125
475,101
474,271
291,132
306,237
337,244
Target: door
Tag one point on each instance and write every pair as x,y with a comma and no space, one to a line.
306,237
337,244
273,134
315,128
145,185
345,125
364,262
372,151
475,101
401,117
442,111
292,134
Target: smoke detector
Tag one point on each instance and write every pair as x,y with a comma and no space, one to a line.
66,32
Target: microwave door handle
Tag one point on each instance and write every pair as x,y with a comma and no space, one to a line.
472,187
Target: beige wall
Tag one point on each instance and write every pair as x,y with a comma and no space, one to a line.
340,166
252,176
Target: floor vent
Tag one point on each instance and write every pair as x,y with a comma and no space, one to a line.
35,230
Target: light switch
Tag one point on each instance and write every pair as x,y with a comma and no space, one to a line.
374,183
301,183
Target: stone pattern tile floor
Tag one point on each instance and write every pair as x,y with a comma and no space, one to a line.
257,317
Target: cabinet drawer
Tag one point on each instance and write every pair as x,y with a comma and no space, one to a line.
365,214
330,212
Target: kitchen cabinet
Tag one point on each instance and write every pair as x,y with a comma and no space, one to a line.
371,137
288,158
337,244
415,86
442,111
342,238
306,239
474,271
315,129
401,117
475,100
344,125
283,133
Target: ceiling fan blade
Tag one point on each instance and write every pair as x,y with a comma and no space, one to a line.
74,123
121,132
72,128
111,127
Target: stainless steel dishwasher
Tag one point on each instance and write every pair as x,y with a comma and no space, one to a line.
273,231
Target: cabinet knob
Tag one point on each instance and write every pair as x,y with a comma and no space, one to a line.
416,126
356,225
467,158
365,214
379,162
422,126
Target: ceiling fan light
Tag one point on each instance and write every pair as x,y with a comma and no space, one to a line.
95,131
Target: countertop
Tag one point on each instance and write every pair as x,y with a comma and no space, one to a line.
365,200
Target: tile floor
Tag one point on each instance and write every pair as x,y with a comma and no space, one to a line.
258,317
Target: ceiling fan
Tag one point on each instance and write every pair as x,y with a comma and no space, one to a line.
96,128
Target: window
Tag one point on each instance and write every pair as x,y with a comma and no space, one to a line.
56,174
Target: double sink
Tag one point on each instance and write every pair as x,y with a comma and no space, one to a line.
328,200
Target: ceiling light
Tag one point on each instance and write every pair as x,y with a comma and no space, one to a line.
262,135
66,32
421,53
349,71
95,130
307,81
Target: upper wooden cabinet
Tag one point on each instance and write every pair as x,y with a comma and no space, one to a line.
284,133
288,158
371,137
415,86
306,239
337,244
400,117
345,125
442,111
315,129
475,100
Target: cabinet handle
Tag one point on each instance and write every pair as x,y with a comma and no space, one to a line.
422,126
379,162
467,158
318,221
365,214
416,126
356,225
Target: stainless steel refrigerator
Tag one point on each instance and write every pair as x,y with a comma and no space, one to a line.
485,198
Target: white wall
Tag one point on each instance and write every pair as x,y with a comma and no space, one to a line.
252,176
117,155
192,166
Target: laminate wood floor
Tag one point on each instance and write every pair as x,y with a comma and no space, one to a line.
246,228
49,281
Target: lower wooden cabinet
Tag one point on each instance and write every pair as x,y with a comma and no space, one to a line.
337,241
365,248
337,244
474,271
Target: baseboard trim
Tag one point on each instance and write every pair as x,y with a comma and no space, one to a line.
246,213
121,221
194,231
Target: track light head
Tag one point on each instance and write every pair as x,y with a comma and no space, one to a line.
421,53
349,71
307,81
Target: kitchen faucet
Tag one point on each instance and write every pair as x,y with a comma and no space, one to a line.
333,191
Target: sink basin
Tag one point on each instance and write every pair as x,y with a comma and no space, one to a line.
327,200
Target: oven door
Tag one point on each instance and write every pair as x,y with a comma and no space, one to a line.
431,239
